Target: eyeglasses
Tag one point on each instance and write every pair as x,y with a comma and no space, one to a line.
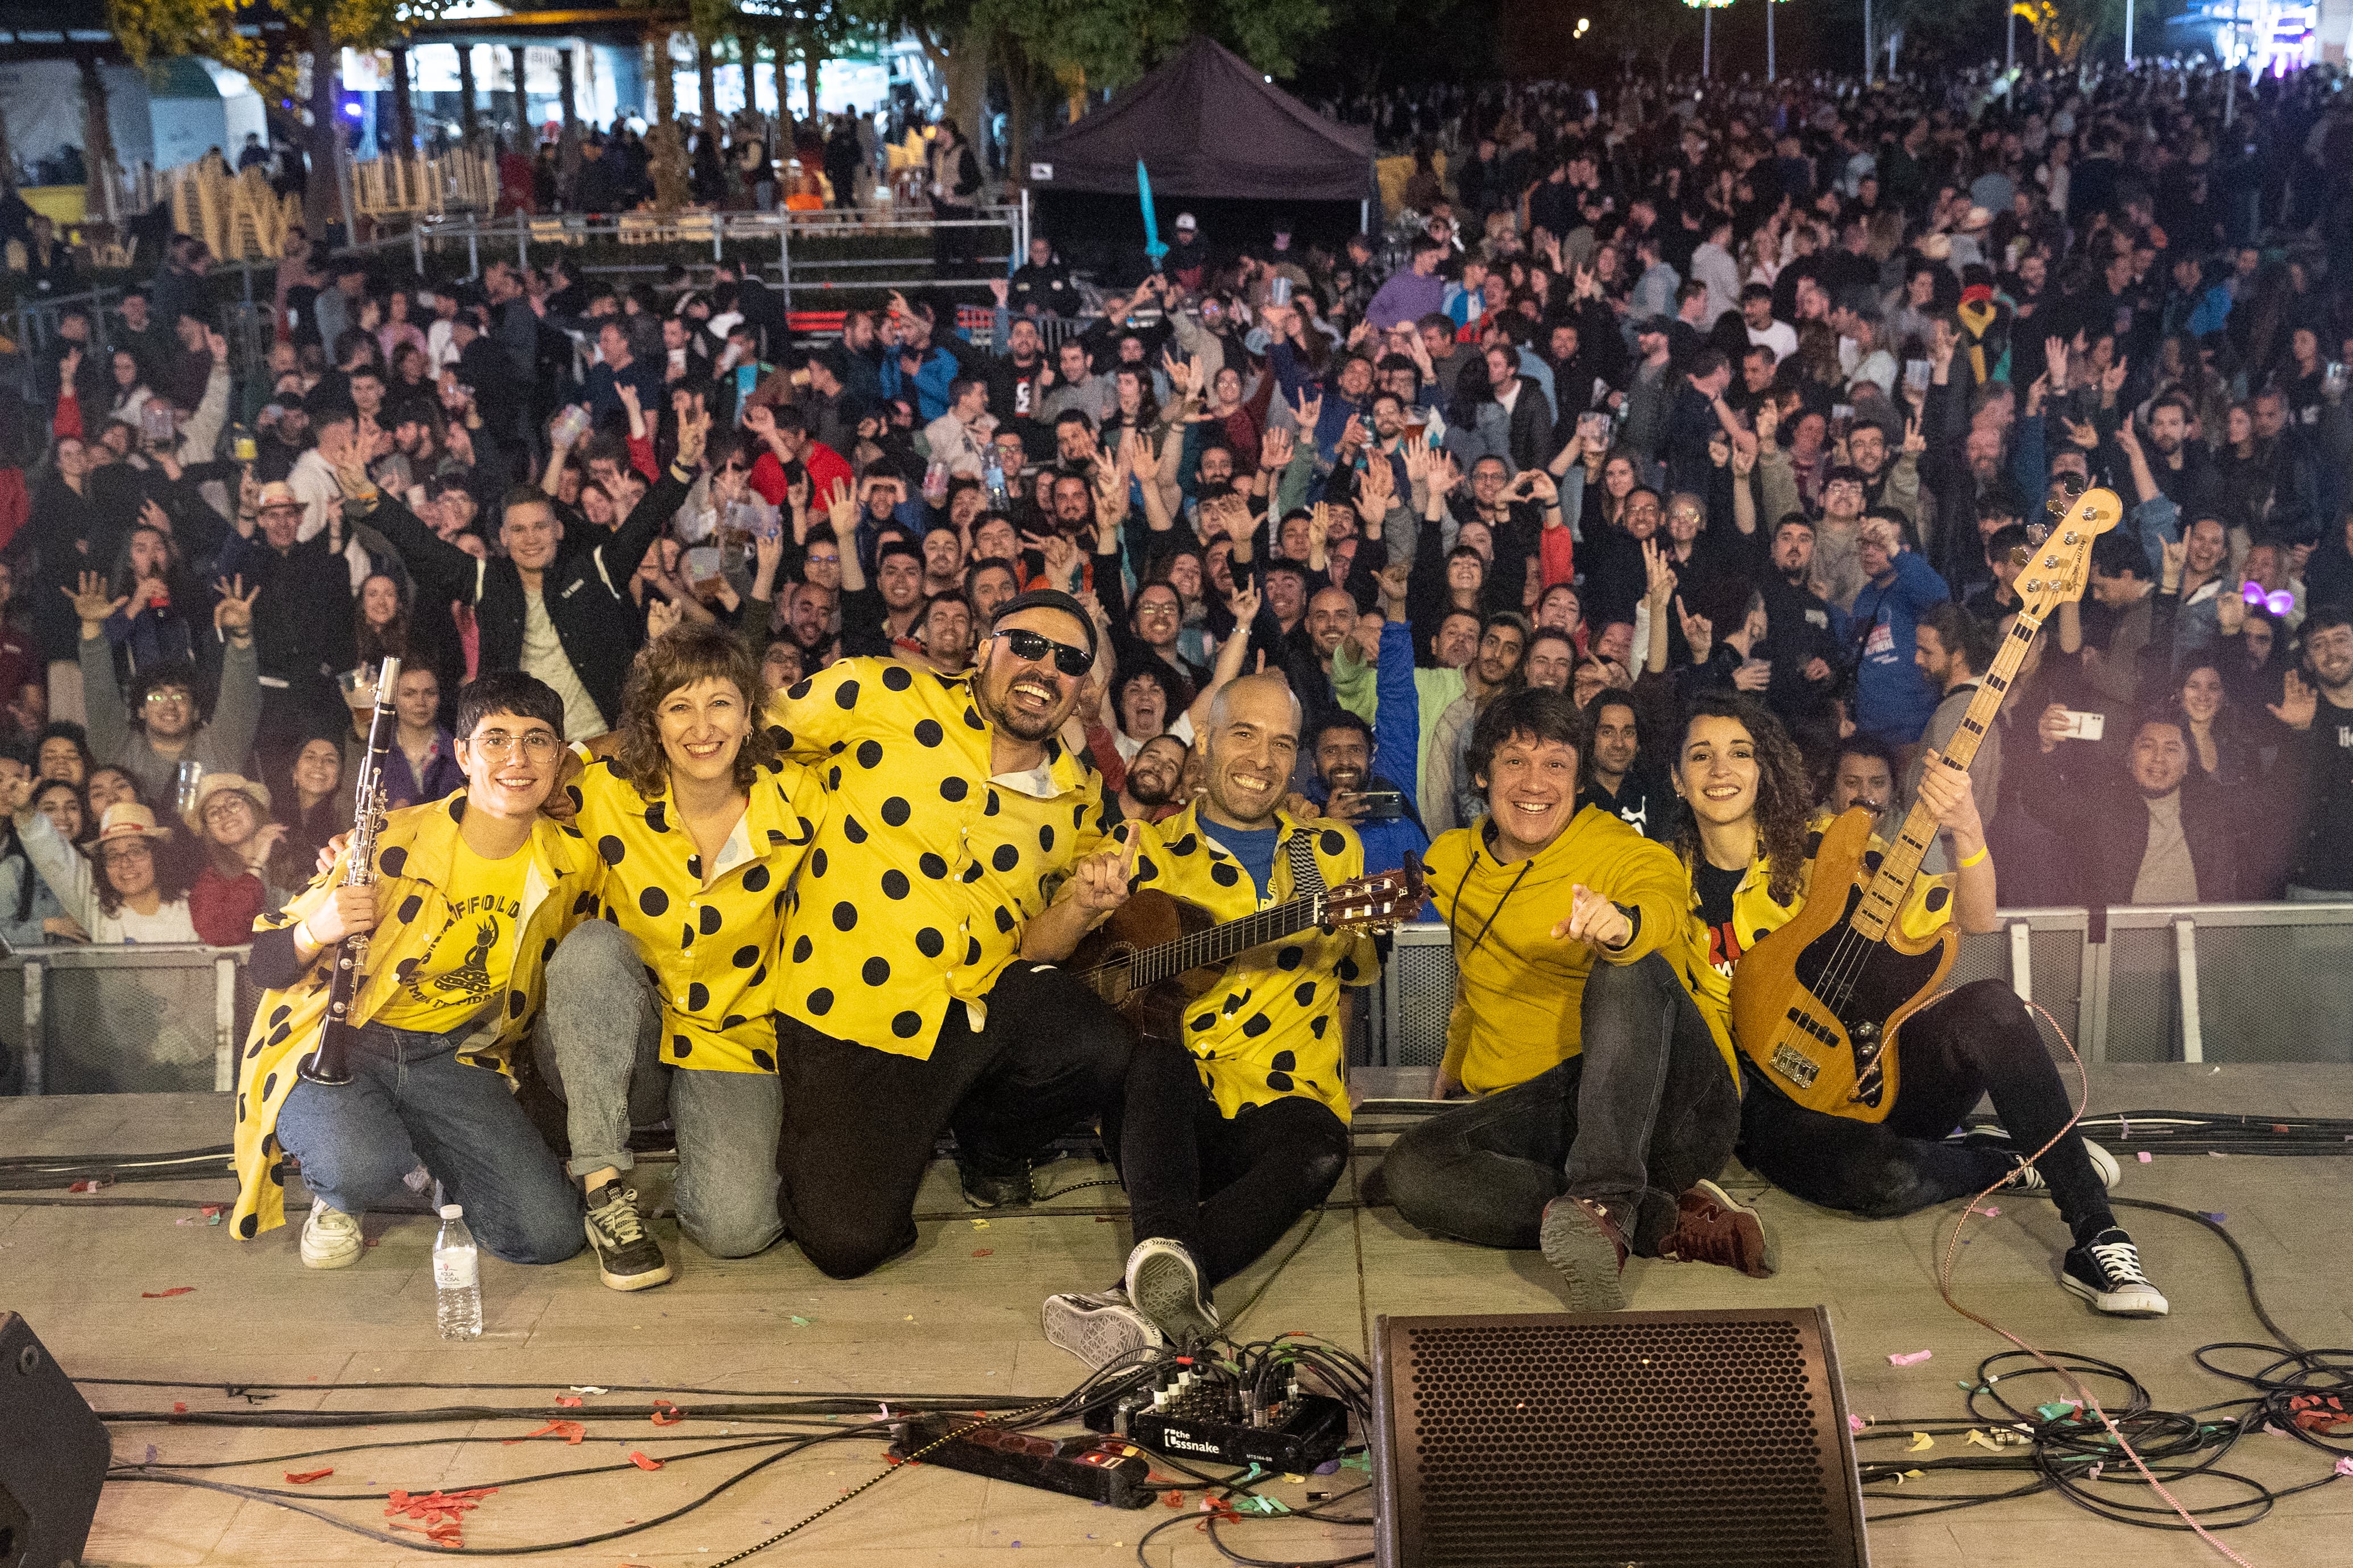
1032,648
539,745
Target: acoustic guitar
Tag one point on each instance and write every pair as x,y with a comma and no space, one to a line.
1820,1005
1157,953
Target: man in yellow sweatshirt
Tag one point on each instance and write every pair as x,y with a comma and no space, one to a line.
1605,1103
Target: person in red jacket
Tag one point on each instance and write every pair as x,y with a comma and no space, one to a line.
230,818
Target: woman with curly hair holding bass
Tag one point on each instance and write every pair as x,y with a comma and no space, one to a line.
1747,845
664,1008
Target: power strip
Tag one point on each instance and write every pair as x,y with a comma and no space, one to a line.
1098,1469
1205,1423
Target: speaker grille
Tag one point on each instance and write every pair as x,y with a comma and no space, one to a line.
1684,1440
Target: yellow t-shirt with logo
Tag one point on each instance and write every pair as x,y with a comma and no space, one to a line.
467,963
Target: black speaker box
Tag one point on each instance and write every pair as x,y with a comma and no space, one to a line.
1613,1441
53,1456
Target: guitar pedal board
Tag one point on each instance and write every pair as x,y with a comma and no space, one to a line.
1220,1423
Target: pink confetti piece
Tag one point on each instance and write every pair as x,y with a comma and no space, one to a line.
1857,1424
1909,1358
2216,1153
1991,1211
160,1295
2345,1465
2147,1158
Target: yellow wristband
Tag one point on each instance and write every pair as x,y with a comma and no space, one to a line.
1974,858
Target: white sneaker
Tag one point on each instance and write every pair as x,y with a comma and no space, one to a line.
331,1238
1165,1285
2029,1179
1097,1329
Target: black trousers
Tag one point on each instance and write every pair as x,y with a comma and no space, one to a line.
1980,1039
1228,1189
1644,1110
860,1125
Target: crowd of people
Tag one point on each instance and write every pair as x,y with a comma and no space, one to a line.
1664,481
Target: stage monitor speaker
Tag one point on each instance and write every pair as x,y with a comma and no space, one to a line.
1613,1441
53,1456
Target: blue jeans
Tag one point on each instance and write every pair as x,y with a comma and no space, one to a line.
411,1099
599,1048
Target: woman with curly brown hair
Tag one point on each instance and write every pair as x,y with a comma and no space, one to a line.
1749,852
665,1007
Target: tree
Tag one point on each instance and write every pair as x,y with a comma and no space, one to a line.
269,40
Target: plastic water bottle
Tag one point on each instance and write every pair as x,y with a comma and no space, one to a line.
457,1277
993,476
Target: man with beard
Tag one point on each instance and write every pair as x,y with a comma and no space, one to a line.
808,617
1808,640
1225,1139
2186,843
944,632
2183,470
1616,780
1862,775
1448,799
916,1001
2320,714
1148,793
1357,765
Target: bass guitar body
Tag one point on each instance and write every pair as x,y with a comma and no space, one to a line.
1148,919
1819,1005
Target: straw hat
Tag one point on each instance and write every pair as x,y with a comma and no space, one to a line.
254,792
127,819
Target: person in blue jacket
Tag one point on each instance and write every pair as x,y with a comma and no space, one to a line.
1352,760
1893,700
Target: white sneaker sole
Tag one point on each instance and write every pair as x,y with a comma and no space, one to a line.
613,1281
1167,1291
1096,1335
2132,1301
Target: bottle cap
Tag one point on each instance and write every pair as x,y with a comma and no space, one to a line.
452,1211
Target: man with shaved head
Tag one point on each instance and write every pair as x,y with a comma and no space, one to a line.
1227,1135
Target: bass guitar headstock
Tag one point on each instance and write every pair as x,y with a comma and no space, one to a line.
2055,570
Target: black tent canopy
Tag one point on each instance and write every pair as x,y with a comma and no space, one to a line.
1207,128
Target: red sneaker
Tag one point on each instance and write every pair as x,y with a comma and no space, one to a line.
1713,1226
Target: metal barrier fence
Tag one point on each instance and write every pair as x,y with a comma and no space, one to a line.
2197,983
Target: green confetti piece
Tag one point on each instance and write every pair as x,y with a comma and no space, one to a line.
799,1321
2056,1410
1357,1462
1265,1505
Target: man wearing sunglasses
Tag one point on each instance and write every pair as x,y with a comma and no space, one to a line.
903,1008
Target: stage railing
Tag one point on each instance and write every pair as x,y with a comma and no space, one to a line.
2196,982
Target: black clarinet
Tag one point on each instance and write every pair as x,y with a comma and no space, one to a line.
329,1061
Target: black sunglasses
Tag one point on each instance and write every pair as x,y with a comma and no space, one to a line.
1033,646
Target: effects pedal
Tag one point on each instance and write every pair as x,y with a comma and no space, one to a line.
1103,1470
1222,1423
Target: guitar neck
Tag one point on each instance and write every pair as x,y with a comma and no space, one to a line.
1220,943
1901,862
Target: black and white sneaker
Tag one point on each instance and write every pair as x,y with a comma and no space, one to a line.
2106,1271
627,1256
1165,1285
997,1184
2027,1178
1097,1329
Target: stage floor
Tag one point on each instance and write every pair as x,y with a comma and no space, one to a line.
960,1316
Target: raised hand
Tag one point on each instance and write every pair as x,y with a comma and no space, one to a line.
693,429
1698,631
1275,447
1769,419
1395,577
234,615
1243,605
1309,411
2175,552
841,511
1377,487
2299,703
1099,882
2113,381
661,617
2054,355
93,604
1915,443
1658,577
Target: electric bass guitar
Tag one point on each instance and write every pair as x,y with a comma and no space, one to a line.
1158,951
1820,1004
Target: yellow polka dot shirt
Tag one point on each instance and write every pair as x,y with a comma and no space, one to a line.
1270,1027
925,869
712,948
414,852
